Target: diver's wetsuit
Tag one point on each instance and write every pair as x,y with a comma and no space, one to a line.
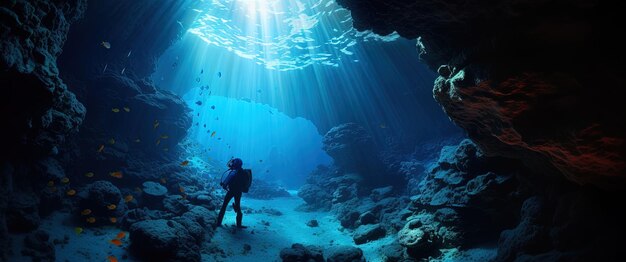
234,182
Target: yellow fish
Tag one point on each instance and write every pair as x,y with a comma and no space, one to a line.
117,174
164,137
78,230
91,220
213,134
112,207
85,212
105,44
100,148
184,163
90,174
115,110
156,124
50,183
126,109
158,142
71,192
113,220
111,141
128,198
65,180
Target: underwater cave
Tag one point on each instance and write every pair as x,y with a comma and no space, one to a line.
312,130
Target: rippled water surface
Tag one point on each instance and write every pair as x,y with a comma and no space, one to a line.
281,34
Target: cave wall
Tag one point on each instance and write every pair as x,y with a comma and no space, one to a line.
537,81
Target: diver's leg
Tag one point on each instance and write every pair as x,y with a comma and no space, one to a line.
220,216
238,209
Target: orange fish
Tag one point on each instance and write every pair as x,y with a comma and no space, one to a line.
113,219
128,198
71,192
184,163
112,207
117,174
116,242
120,235
112,259
100,148
91,220
85,212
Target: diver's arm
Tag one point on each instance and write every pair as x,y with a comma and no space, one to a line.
229,177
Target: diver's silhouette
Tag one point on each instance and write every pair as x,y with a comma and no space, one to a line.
237,182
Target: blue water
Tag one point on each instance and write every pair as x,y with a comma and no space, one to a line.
281,73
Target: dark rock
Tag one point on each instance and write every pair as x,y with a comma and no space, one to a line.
353,149
23,212
300,253
366,233
153,195
159,240
419,239
349,219
175,204
38,247
368,218
138,214
380,193
312,223
393,252
266,190
343,194
97,196
345,254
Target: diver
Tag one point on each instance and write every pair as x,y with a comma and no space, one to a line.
237,182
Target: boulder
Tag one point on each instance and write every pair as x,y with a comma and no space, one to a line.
312,223
153,195
381,192
97,197
38,247
300,253
175,204
419,239
344,254
368,218
163,240
366,233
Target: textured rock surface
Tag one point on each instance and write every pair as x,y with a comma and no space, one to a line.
366,233
299,252
97,197
344,254
523,84
161,239
38,247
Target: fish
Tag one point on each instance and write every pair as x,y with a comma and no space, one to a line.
123,69
129,52
78,230
201,71
198,80
213,107
90,174
113,219
213,134
50,183
71,192
91,220
137,140
184,163
116,174
65,180
111,207
116,242
128,198
219,74
112,141
271,113
126,109
85,212
163,180
181,189
164,137
198,114
204,125
100,148
158,142
156,123
199,103
115,110
106,45
112,258
105,68
120,235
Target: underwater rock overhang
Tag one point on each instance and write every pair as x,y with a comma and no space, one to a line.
530,80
